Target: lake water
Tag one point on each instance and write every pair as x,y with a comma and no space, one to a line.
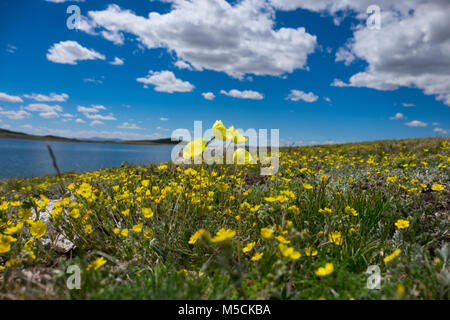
27,158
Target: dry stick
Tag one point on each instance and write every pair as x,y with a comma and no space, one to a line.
52,155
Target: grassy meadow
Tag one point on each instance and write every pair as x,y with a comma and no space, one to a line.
225,232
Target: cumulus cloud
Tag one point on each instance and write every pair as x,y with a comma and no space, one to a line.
117,62
92,113
62,1
182,65
96,122
45,110
440,131
408,105
80,121
412,48
165,81
398,116
246,94
208,95
15,115
163,119
127,125
297,95
53,97
416,123
70,52
8,98
236,39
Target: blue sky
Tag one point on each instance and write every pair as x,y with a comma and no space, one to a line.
54,80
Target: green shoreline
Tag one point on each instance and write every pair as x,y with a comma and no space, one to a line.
7,134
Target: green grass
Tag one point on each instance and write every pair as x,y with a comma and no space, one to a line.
165,266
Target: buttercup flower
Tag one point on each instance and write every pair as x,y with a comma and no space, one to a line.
194,149
266,232
392,256
223,235
38,229
402,224
248,247
335,237
235,136
437,187
96,264
242,156
325,271
194,238
220,131
257,256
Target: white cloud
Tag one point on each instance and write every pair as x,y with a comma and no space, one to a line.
6,97
327,99
398,116
89,134
345,55
10,48
96,122
165,81
42,107
93,109
163,119
67,115
408,105
208,95
15,115
297,95
434,124
416,123
246,94
70,52
117,62
27,126
100,117
52,97
440,131
80,121
236,39
180,64
93,80
127,125
412,48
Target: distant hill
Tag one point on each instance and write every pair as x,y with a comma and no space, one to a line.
20,135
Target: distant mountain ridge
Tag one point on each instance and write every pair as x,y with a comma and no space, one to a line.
4,133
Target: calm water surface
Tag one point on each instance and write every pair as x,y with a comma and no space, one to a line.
27,158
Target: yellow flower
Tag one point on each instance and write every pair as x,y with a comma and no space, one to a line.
257,256
281,239
437,262
235,136
148,234
124,233
38,229
249,247
392,256
96,264
219,130
307,186
350,210
13,230
196,236
325,210
147,213
437,187
335,237
88,229
5,243
116,230
266,232
145,183
194,149
138,228
402,224
223,235
325,271
311,252
223,187
294,210
162,167
242,156
126,212
74,213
